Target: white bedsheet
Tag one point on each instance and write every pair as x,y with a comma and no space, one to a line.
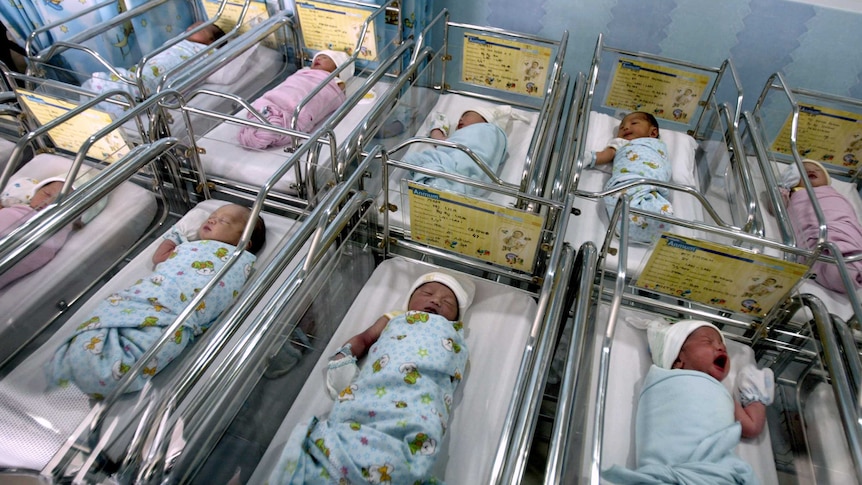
497,327
836,303
630,362
27,303
35,423
592,224
519,134
226,158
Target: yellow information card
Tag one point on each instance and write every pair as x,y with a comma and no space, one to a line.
336,27
516,67
668,93
718,275
72,134
254,16
501,235
828,135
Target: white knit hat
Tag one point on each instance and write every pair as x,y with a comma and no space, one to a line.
790,175
497,115
463,288
338,58
666,339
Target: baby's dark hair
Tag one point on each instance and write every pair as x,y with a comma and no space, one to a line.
218,33
258,236
650,119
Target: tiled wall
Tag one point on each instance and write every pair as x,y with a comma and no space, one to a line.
817,44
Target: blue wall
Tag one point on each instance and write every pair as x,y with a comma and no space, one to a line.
815,47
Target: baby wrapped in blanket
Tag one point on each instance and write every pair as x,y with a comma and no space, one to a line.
687,423
389,418
480,129
126,324
278,104
842,222
155,68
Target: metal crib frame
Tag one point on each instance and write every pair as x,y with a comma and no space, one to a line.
714,118
576,441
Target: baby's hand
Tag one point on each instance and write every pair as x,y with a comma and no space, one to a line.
439,121
340,372
756,385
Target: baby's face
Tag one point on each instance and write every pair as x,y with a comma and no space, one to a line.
45,195
435,298
225,224
205,36
704,351
324,62
635,126
470,118
815,175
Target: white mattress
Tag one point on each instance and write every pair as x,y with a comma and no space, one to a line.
592,224
630,362
836,303
226,158
27,303
519,134
497,328
35,423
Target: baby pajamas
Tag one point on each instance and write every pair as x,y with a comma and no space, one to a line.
387,427
636,159
126,324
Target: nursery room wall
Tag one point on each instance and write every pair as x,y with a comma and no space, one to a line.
814,43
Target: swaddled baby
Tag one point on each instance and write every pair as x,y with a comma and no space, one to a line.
688,424
842,222
415,361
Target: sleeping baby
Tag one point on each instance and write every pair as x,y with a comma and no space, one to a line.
842,222
125,325
480,129
278,104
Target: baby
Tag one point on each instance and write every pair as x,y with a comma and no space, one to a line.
687,423
17,210
278,104
126,324
418,358
156,67
480,129
638,153
842,222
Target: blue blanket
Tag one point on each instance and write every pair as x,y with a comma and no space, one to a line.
126,324
487,140
685,433
388,426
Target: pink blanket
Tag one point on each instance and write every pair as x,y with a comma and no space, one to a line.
843,229
14,216
278,104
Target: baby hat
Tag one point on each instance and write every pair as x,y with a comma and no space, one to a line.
666,339
790,175
338,58
463,288
498,115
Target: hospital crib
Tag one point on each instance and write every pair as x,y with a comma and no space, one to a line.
379,70
812,431
698,109
486,68
238,415
233,64
791,124
76,438
75,143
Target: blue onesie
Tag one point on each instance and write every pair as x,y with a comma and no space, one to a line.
642,158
